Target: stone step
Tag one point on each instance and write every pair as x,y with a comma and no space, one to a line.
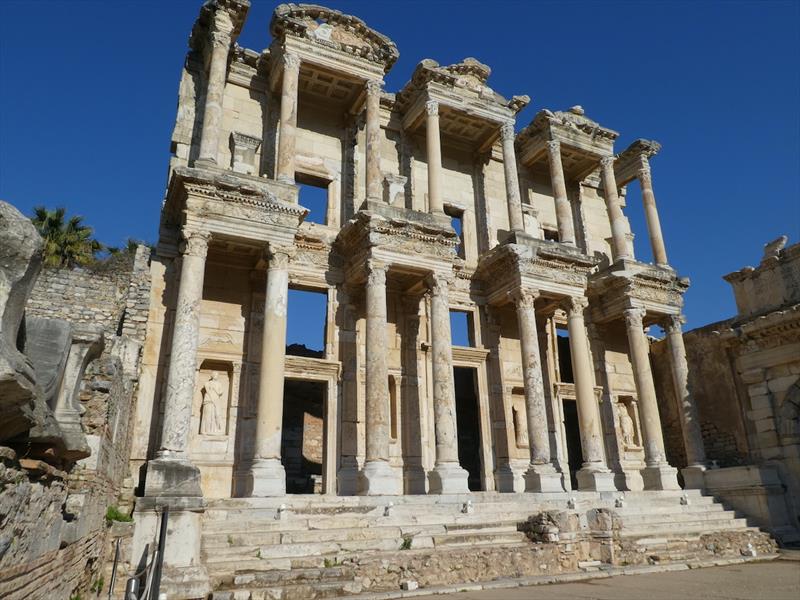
676,518
282,577
302,591
685,531
478,539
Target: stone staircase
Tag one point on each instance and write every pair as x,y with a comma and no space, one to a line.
319,547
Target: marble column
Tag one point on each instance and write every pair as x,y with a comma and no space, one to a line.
694,472
220,42
566,227
374,183
657,475
434,146
266,471
619,226
378,477
288,122
171,473
541,476
447,477
651,215
516,222
593,474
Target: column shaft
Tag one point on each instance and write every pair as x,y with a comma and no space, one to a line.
651,215
220,40
515,219
288,122
434,146
374,185
615,214
377,373
566,227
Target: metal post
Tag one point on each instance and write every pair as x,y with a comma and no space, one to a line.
114,570
162,540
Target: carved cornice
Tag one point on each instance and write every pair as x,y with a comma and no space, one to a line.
571,120
218,16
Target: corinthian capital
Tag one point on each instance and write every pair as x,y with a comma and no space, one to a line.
507,131
279,255
607,162
672,324
376,273
634,317
374,87
575,305
438,283
554,147
432,108
644,174
291,61
195,242
220,39
524,298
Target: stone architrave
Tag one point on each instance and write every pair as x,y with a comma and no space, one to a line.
594,474
615,214
288,119
374,183
434,146
566,226
447,477
541,475
219,41
515,218
171,473
657,474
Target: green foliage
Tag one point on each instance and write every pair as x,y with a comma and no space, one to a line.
258,553
67,242
114,514
230,540
76,596
97,585
406,545
331,563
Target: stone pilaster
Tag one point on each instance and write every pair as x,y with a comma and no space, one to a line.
693,474
515,220
594,474
447,477
657,475
378,477
268,477
434,146
374,183
651,215
541,476
288,122
619,228
171,473
220,44
566,226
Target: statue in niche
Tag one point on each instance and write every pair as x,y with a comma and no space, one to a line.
520,427
212,398
626,426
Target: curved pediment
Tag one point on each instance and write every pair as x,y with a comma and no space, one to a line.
331,27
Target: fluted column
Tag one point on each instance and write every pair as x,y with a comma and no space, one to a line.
657,474
434,145
619,238
690,421
515,219
268,475
377,477
447,477
171,473
594,474
541,476
220,40
288,122
566,227
651,215
374,185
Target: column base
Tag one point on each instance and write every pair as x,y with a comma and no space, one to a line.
543,478
378,478
265,477
414,479
509,478
347,478
629,480
660,477
694,477
204,163
448,478
172,477
595,479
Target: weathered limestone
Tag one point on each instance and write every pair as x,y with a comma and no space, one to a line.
377,477
566,227
657,475
171,473
516,222
618,221
288,123
693,473
541,475
651,215
447,477
434,147
266,471
593,475
373,127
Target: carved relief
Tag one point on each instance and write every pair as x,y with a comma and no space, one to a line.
213,398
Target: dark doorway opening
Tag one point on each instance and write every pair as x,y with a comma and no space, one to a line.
302,436
468,424
573,435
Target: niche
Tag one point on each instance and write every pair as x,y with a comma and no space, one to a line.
212,398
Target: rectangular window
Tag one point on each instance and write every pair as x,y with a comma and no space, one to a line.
550,234
457,221
461,328
305,323
313,195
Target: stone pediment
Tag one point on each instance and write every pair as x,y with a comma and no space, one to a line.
332,28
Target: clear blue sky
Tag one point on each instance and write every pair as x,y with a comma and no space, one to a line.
88,93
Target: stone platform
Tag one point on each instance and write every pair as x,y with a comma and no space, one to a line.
318,547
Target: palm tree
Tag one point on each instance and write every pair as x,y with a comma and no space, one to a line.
66,243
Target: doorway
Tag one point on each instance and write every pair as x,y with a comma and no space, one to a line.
302,438
572,433
468,424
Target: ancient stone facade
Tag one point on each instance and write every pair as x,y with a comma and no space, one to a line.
745,379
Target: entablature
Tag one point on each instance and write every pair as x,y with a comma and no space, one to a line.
633,159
